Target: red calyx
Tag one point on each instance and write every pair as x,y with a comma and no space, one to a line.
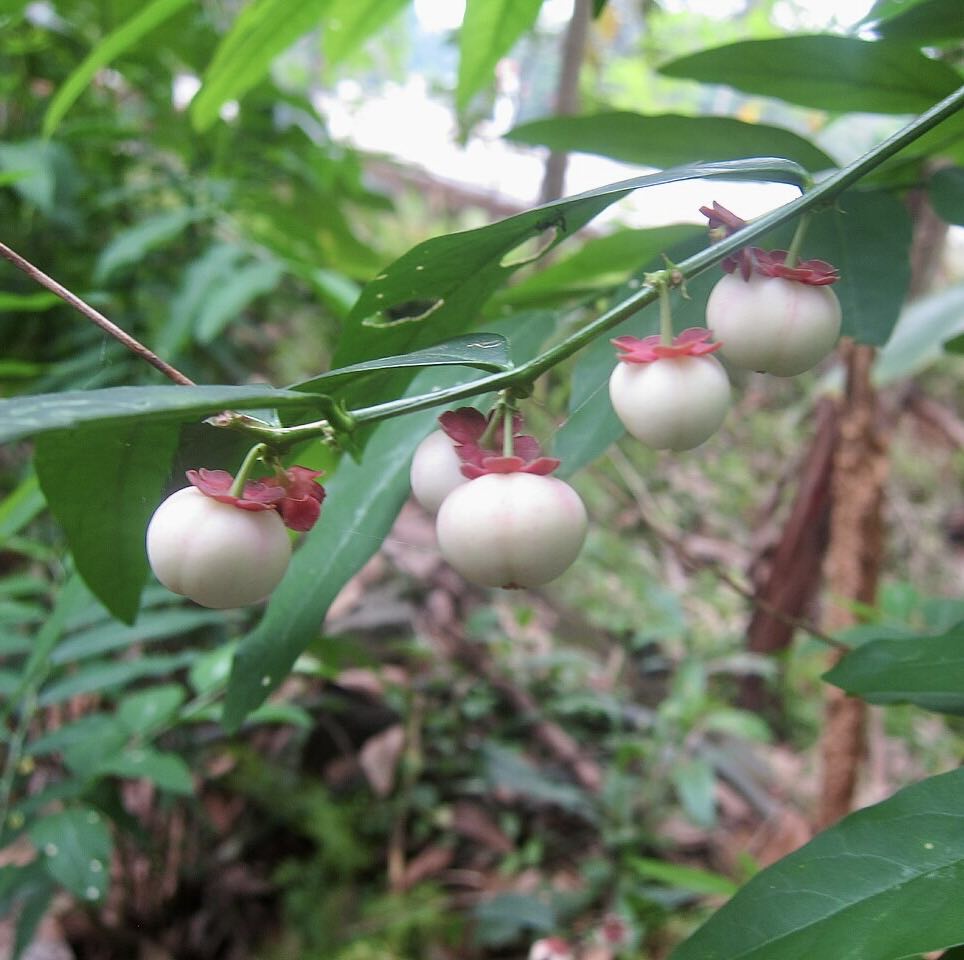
466,427
294,494
690,343
768,263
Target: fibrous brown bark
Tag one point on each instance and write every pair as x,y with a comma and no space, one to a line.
852,568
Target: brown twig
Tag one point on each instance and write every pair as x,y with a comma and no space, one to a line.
135,346
626,472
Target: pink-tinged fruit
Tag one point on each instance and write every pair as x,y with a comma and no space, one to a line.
466,427
511,530
216,554
671,397
436,470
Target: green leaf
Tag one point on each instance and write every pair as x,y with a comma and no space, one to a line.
363,500
111,47
489,30
668,139
926,671
351,22
923,327
946,189
925,23
130,246
902,860
96,735
505,918
27,416
447,279
102,484
76,849
103,677
247,284
167,770
605,262
148,711
27,302
695,785
43,165
211,670
20,506
684,878
826,72
262,30
485,351
867,237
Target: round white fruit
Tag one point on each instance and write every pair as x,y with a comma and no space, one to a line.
772,324
674,403
215,553
436,470
511,529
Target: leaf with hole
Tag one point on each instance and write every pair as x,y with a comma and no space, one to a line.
826,72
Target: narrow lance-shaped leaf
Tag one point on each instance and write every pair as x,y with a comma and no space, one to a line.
489,30
111,47
485,351
826,72
262,30
885,882
668,139
926,22
27,416
926,671
350,22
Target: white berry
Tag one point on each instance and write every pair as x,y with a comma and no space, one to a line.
511,529
773,324
674,403
215,553
436,470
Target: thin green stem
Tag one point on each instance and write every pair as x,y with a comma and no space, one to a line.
796,244
665,314
254,454
508,440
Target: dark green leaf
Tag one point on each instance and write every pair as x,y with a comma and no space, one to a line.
76,848
669,139
262,30
20,506
507,917
826,72
868,239
102,484
111,47
902,860
150,710
926,671
27,416
100,733
446,280
924,23
104,677
947,194
351,22
955,345
925,325
363,500
25,892
485,351
167,770
489,30
130,246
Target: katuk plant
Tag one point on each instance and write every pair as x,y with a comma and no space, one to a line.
773,312
223,542
511,525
